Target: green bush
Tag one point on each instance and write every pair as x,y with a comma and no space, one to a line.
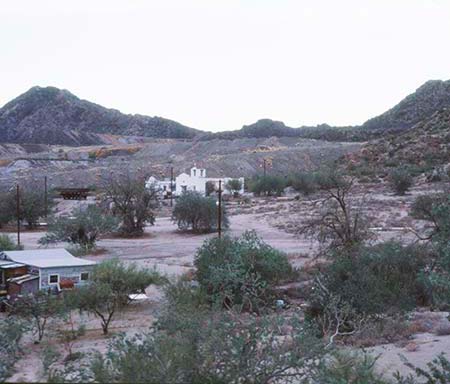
82,228
234,186
349,368
379,279
400,180
304,182
198,213
11,333
267,185
7,244
240,271
437,372
222,349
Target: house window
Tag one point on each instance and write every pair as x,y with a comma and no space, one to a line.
84,276
194,172
201,172
53,279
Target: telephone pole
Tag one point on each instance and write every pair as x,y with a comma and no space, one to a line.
18,213
171,186
219,213
45,196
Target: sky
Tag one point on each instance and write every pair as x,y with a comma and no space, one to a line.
219,64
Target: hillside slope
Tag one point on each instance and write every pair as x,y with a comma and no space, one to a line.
426,100
54,116
424,147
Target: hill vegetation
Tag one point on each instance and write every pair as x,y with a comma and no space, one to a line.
53,116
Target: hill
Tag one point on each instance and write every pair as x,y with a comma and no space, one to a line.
53,116
423,147
422,104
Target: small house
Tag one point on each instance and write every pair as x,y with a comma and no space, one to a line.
196,181
50,269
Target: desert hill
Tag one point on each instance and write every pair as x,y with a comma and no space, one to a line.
53,116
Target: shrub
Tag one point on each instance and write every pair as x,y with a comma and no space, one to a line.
304,182
240,271
11,332
82,228
223,349
267,185
198,213
349,368
234,186
7,244
391,280
400,180
38,309
437,372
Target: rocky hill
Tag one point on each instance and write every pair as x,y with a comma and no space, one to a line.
424,147
424,102
54,116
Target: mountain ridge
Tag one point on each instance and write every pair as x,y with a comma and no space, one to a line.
49,115
54,116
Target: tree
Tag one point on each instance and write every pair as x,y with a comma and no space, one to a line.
210,188
82,227
31,208
400,180
234,186
267,185
38,309
193,211
110,286
130,200
338,224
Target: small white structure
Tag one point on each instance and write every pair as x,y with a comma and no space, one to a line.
162,187
195,181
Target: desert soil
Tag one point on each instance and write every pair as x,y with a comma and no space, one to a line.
277,222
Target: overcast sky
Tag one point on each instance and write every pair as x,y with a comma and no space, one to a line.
216,65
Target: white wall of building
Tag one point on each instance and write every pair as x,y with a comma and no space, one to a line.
195,181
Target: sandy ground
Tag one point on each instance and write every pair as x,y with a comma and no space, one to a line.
172,251
276,221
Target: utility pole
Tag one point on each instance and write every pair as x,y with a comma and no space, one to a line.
45,196
18,213
219,213
171,186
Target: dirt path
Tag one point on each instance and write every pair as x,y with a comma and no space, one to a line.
172,251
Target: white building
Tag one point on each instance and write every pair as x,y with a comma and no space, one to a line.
161,186
195,181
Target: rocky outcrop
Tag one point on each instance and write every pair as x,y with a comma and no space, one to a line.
422,104
54,116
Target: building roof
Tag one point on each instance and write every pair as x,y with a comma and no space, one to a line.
47,258
7,264
23,279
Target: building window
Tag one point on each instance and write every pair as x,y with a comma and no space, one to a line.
201,172
53,279
194,172
84,276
